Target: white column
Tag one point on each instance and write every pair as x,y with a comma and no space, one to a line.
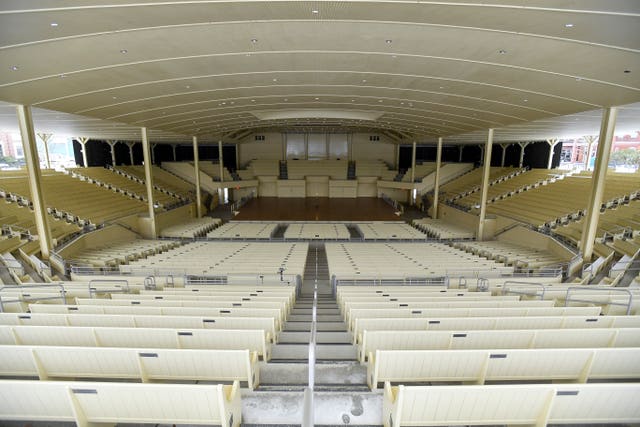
552,145
284,147
504,153
148,178
220,162
153,153
413,162
237,157
349,146
396,156
481,154
196,164
30,149
460,148
436,188
522,147
485,185
112,146
173,148
607,128
83,144
130,145
45,137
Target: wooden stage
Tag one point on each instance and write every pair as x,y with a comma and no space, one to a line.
316,209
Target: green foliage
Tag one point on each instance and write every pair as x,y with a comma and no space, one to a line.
627,156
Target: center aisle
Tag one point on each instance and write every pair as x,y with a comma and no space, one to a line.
341,394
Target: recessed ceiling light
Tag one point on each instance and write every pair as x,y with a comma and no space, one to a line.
247,54
379,100
254,40
388,41
286,99
224,103
502,51
114,97
364,80
62,76
441,87
315,11
54,24
525,100
275,80
317,99
14,68
353,100
394,56
188,87
123,51
578,79
568,25
253,100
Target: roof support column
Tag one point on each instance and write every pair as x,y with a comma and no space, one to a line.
30,149
45,137
587,155
552,145
112,146
460,148
153,153
413,162
504,153
148,179
237,150
83,143
522,145
481,154
396,156
598,178
220,161
130,144
436,188
485,185
173,148
284,147
350,146
196,164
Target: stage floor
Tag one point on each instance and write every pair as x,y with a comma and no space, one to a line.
316,209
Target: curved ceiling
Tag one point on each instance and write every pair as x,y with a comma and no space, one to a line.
416,69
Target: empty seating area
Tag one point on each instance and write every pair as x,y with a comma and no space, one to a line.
213,170
243,230
260,167
208,258
381,230
421,171
123,252
196,227
314,231
564,200
163,180
299,169
442,230
390,260
375,168
511,185
72,199
508,253
471,181
121,183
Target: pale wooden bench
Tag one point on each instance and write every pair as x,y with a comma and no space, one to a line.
532,405
254,340
92,403
373,341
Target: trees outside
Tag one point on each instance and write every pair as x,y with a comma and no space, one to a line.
627,156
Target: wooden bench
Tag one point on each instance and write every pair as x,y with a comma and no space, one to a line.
204,339
161,311
532,405
91,403
267,324
492,323
479,366
144,364
373,341
361,313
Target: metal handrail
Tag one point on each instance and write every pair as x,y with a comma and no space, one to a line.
506,290
63,293
580,288
93,290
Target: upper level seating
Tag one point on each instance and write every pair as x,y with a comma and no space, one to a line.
122,252
161,179
311,231
471,181
422,170
442,230
117,182
196,227
507,187
221,258
511,253
71,198
394,260
213,170
260,167
299,169
389,230
243,230
564,199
